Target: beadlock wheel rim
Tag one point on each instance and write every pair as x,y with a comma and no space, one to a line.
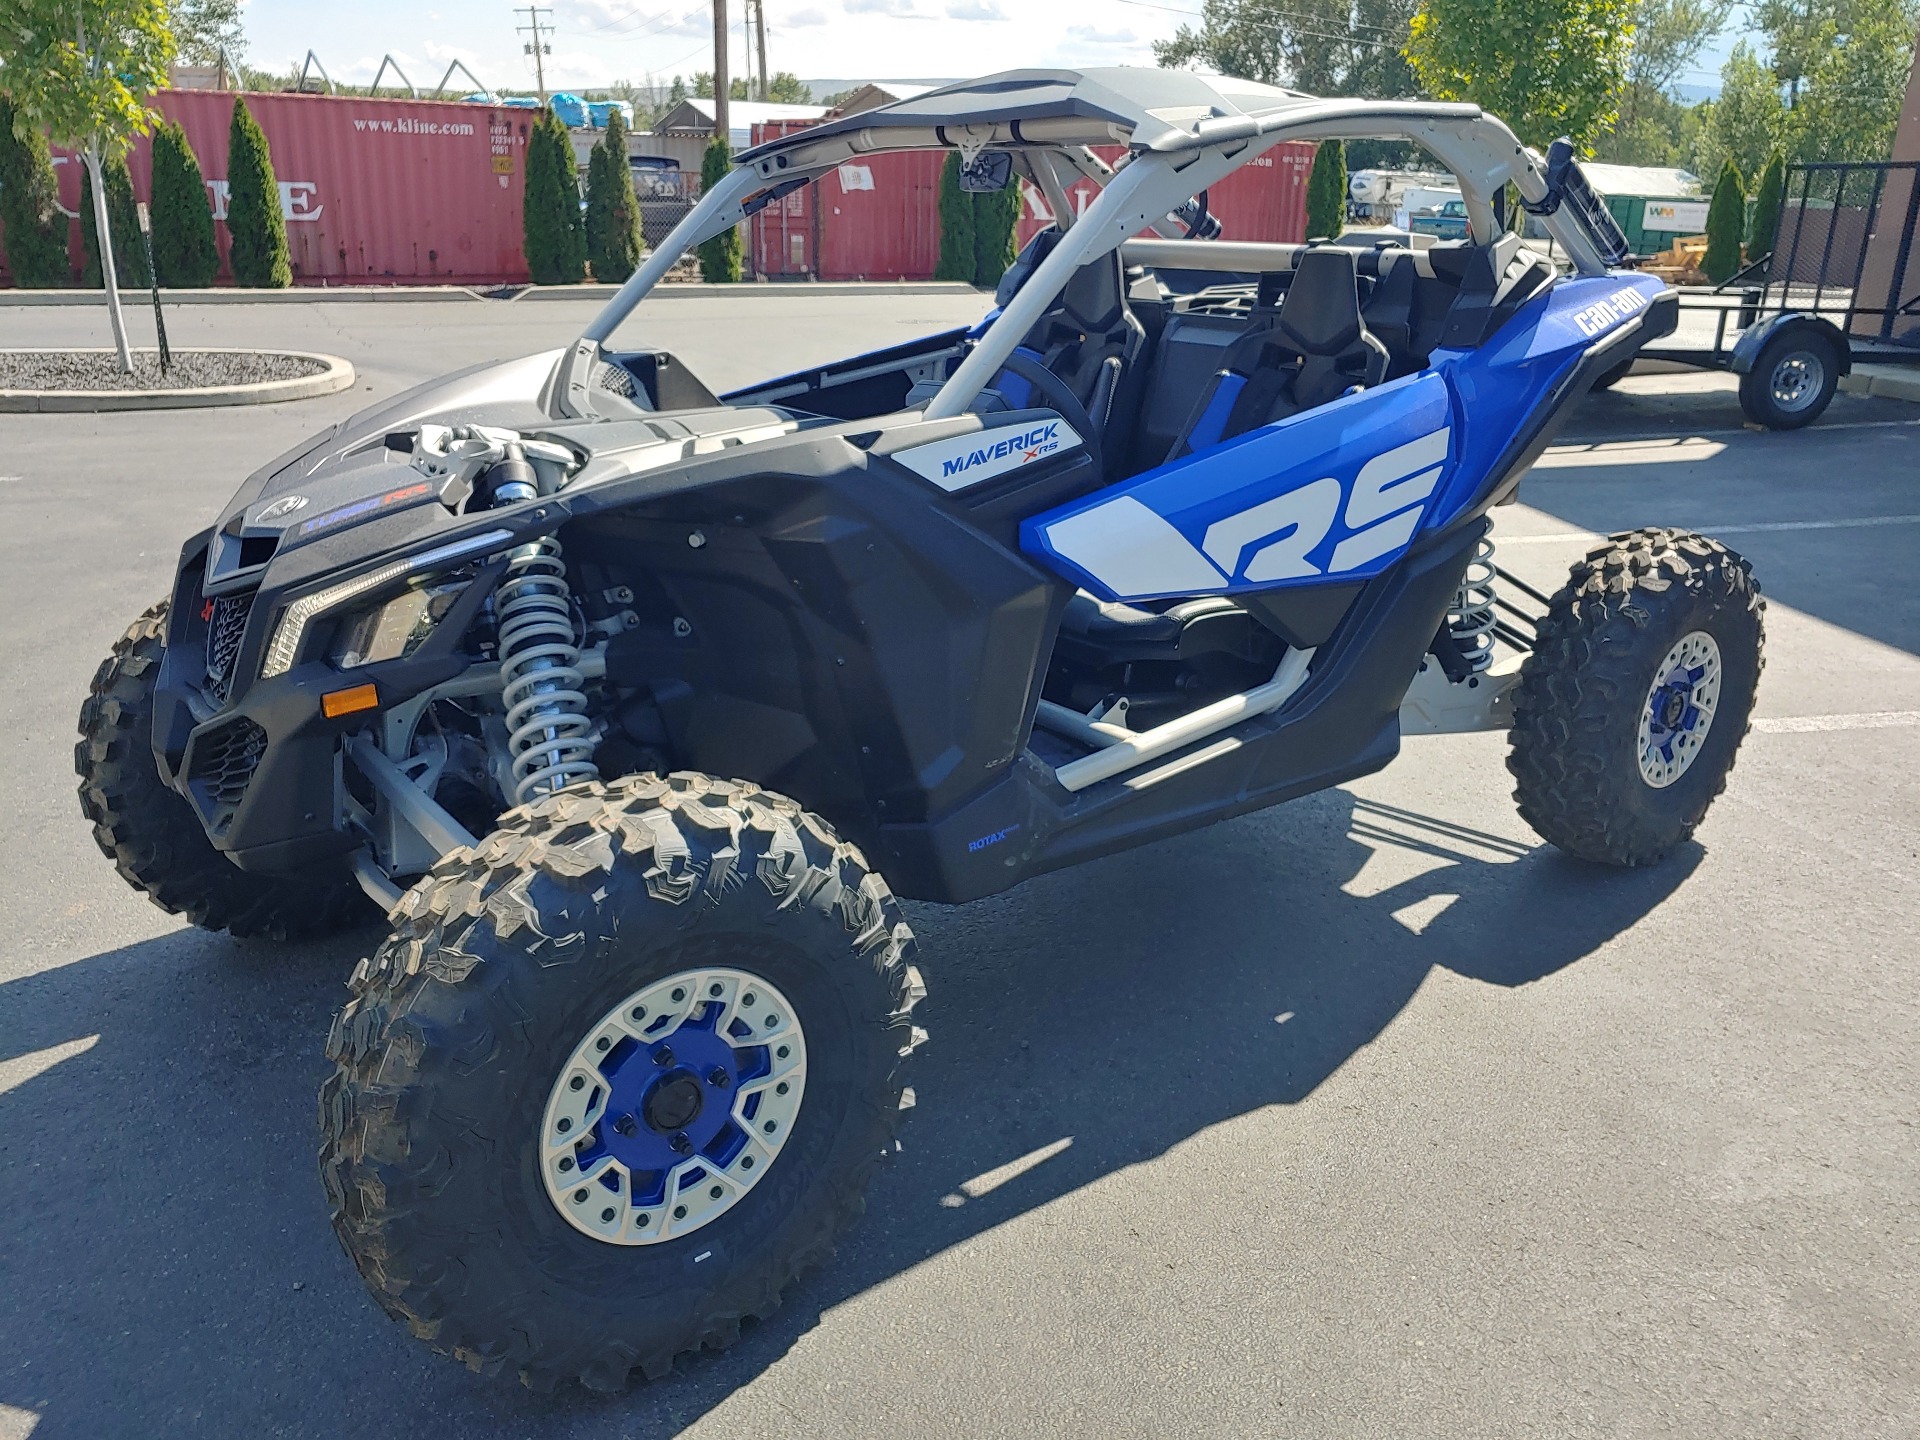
673,1107
1797,380
1679,709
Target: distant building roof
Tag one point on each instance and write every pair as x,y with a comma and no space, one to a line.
877,93
696,114
1650,182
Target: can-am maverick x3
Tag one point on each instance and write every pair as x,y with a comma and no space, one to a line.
619,697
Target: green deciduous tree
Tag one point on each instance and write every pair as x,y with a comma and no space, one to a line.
553,233
129,254
184,253
256,225
202,29
1653,126
1325,47
1851,88
1327,191
1546,67
35,228
83,69
1745,123
1726,225
720,257
614,243
1767,200
956,225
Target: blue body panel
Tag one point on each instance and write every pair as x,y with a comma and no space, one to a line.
1336,493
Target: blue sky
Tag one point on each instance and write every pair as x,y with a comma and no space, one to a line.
598,41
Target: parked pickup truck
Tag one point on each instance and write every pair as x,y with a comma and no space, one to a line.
1448,221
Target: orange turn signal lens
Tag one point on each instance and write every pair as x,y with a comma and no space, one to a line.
346,702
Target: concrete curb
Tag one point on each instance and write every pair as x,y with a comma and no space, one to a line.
337,376
298,295
1887,382
423,294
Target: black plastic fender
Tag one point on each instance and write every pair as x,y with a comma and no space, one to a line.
1754,339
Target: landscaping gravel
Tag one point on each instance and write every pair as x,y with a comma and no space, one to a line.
190,370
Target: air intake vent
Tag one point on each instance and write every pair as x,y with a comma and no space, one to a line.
224,633
222,767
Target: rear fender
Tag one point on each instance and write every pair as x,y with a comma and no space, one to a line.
1754,339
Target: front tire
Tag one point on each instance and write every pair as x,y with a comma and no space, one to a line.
1639,689
574,949
152,835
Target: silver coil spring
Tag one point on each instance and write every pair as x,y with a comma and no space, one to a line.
548,733
1470,616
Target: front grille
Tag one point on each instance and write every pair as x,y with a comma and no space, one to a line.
223,764
224,632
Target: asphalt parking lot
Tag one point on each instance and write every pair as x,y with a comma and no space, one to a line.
1369,1115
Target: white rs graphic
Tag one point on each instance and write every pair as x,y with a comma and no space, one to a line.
1135,552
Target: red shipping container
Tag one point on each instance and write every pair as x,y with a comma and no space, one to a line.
374,191
1265,199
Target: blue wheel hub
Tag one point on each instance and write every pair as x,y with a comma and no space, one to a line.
673,1106
1679,708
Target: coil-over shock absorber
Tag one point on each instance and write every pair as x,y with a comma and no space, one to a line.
548,733
1470,618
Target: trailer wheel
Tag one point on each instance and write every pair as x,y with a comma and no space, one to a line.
1792,379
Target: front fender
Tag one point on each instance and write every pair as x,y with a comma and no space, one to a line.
1754,339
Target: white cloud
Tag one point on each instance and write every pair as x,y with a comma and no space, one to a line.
975,10
594,20
898,8
1089,35
802,19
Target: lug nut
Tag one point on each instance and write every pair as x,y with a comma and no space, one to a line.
663,1056
717,1078
627,1125
680,1144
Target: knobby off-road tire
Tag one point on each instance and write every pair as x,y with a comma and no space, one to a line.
152,835
503,961
1577,714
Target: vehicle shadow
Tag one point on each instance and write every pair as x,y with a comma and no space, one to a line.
166,1259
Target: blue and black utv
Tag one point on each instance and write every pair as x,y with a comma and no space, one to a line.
619,697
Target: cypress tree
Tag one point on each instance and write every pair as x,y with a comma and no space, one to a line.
995,215
1327,191
555,239
720,258
35,230
1767,203
1726,220
614,242
129,254
184,252
256,226
957,258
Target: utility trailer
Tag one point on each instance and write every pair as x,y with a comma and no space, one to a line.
1837,287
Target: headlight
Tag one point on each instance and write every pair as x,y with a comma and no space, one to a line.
395,629
284,649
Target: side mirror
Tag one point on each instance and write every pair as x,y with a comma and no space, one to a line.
986,172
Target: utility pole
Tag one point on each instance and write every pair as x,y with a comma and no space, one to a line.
721,81
760,41
537,47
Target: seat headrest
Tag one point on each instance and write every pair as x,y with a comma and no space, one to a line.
1321,314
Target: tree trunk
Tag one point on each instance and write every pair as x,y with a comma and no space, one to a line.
104,231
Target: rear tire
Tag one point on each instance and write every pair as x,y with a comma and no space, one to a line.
469,1074
152,835
1792,380
1636,696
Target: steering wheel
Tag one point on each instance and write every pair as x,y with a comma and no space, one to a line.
1061,399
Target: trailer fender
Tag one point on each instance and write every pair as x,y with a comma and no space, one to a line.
1754,339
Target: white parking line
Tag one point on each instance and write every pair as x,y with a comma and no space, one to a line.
1816,724
1567,537
1567,440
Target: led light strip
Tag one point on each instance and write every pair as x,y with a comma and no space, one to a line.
294,620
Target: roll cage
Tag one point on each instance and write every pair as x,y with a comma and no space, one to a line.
1184,133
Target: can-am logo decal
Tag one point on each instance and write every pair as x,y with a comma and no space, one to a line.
1605,314
967,460
365,507
1135,551
285,505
